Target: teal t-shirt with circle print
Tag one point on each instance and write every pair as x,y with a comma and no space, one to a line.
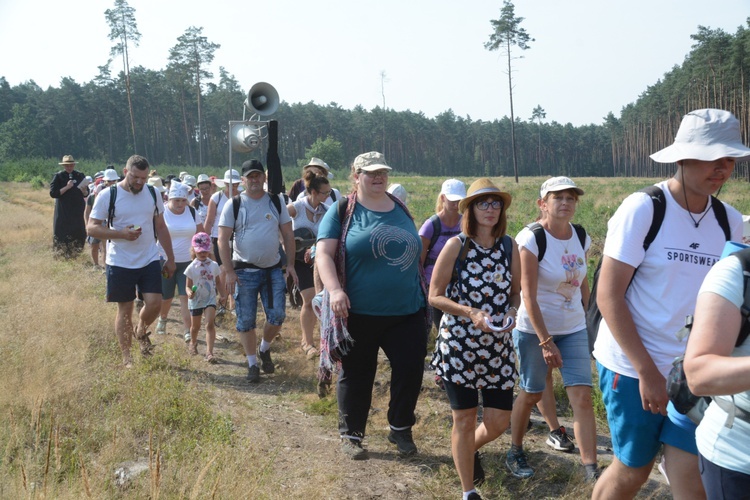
382,260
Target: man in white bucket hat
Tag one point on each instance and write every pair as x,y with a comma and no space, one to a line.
231,185
636,344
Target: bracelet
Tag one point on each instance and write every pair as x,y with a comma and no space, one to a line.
546,341
514,308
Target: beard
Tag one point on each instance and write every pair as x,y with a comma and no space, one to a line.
134,188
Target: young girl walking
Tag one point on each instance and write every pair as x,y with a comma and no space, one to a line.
201,275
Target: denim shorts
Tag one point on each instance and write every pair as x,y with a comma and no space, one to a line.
122,282
177,279
270,284
532,370
637,434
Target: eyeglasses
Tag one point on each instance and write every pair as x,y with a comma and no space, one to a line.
326,193
485,205
375,173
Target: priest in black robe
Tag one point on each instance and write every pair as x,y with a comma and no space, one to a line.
70,189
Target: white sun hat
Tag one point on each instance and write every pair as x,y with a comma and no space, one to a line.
706,135
454,190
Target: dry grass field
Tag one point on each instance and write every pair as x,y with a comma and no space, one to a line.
72,417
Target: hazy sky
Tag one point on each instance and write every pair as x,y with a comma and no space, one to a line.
590,57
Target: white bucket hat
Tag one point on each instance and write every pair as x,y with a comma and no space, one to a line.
178,190
189,180
232,176
111,175
559,184
203,178
706,135
398,191
454,190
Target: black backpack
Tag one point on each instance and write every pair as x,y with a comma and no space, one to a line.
677,388
593,315
541,237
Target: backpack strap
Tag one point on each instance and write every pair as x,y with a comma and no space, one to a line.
437,228
276,202
333,195
459,264
508,248
720,212
581,232
540,237
111,210
192,212
660,208
744,257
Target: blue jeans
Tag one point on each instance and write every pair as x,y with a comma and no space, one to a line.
270,284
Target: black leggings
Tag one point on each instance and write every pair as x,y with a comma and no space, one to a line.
404,341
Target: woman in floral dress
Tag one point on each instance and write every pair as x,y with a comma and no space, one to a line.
474,350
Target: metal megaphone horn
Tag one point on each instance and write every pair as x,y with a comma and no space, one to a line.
262,99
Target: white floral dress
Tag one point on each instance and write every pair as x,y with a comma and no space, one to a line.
465,355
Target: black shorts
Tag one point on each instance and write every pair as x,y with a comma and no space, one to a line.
465,398
122,282
304,275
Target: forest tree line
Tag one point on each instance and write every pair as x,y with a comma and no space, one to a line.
91,120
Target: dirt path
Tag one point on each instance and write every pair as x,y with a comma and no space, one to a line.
303,447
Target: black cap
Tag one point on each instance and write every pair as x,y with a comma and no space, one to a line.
252,166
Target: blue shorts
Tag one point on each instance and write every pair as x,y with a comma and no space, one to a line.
122,282
637,434
270,284
177,279
574,349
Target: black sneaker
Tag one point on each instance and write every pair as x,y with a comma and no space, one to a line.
560,441
478,470
265,361
403,441
253,374
474,496
353,449
516,463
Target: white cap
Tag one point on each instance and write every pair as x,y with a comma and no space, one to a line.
203,178
559,184
454,190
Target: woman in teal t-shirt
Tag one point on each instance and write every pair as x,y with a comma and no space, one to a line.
378,290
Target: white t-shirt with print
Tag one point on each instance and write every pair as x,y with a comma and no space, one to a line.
666,283
726,447
561,273
203,274
130,210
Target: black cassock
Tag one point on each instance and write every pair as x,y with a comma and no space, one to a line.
68,227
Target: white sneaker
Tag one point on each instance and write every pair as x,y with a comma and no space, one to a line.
161,326
187,336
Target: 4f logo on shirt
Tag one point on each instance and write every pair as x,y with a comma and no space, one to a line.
694,246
